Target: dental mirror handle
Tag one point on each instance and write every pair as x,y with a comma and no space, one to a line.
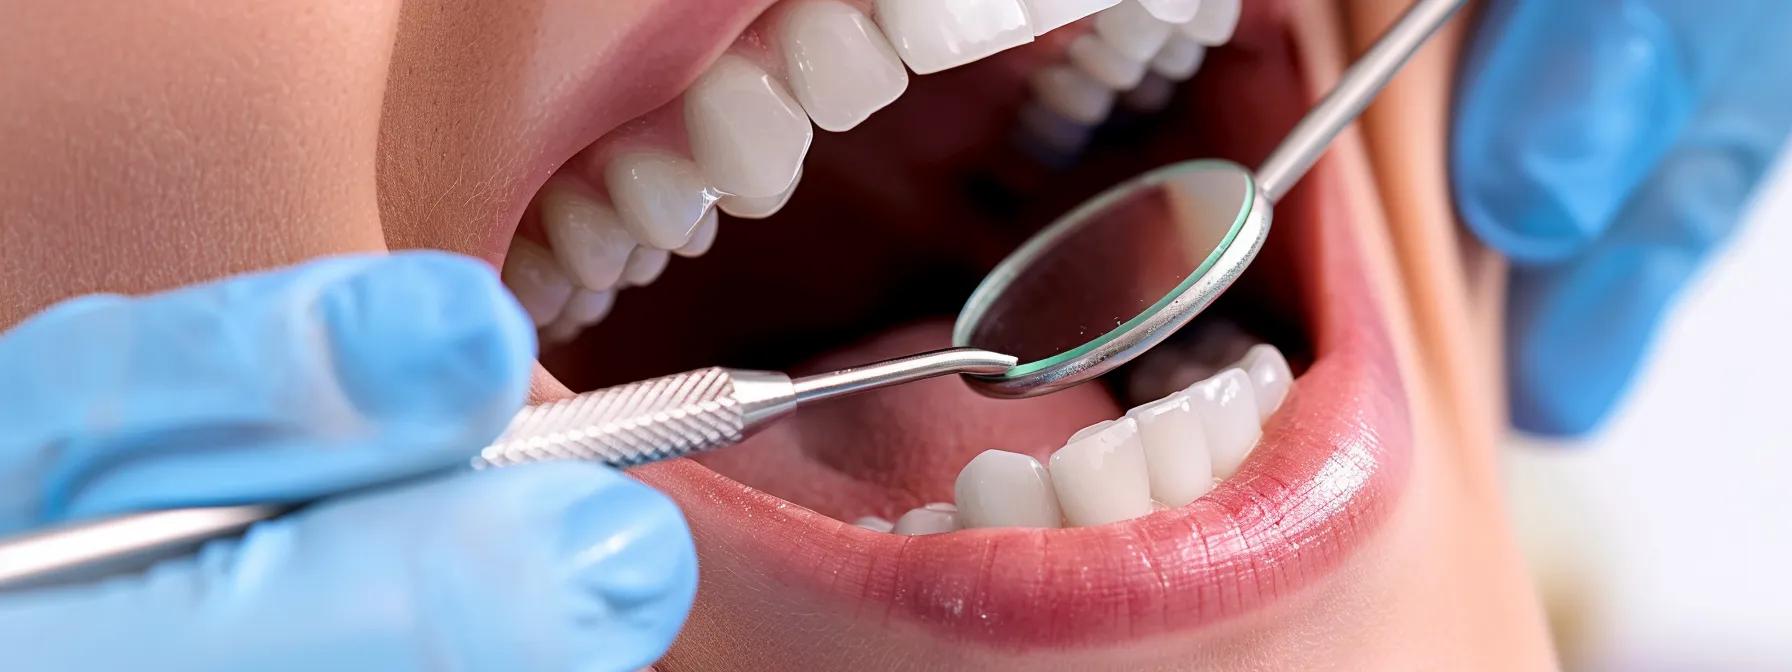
622,426
1354,91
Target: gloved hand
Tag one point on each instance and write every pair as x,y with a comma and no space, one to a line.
1607,147
297,384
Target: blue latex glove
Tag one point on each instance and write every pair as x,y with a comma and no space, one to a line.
1608,147
297,384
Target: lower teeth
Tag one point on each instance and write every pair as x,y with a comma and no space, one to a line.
1162,454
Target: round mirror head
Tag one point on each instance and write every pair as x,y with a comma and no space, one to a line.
1115,277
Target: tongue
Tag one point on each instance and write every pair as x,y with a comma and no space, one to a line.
885,452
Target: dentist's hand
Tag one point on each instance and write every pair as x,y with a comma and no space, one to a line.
1607,147
298,384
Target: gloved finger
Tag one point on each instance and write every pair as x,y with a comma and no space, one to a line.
556,566
1566,107
275,386
1577,332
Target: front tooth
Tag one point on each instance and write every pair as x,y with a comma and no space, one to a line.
533,275
1179,59
661,198
1106,65
749,207
703,237
644,266
1176,452
588,237
1132,31
841,66
1214,22
1049,15
748,134
875,524
1100,475
1002,489
930,519
1069,92
1271,379
933,35
1173,11
1228,410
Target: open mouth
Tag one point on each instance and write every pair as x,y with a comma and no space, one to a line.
1233,480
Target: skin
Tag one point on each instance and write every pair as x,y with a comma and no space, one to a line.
429,124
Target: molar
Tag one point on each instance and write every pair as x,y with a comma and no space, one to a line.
748,135
536,279
585,308
1100,474
934,35
935,518
660,197
1002,489
1228,409
840,65
587,236
875,524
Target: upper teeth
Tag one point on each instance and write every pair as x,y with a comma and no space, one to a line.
747,120
1165,453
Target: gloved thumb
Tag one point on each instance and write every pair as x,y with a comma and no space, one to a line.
554,566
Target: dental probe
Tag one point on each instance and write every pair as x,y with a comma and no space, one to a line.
623,426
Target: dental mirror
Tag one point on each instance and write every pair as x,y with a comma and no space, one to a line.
1120,274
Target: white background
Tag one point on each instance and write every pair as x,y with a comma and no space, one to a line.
1664,542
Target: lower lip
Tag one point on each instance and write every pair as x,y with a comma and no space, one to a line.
1323,478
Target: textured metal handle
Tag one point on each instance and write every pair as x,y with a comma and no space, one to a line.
627,425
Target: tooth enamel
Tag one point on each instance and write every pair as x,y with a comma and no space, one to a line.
875,524
1228,410
1172,11
660,197
1151,95
533,275
1132,31
1069,92
1105,65
703,237
747,207
1214,22
644,266
841,67
1049,15
748,134
929,519
1271,379
1002,489
933,35
1179,59
1176,455
587,307
1100,474
586,234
